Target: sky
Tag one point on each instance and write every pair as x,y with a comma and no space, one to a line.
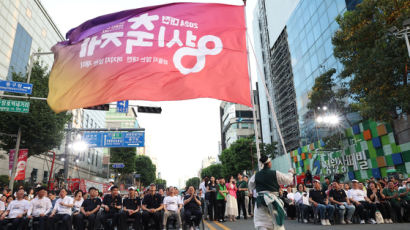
187,131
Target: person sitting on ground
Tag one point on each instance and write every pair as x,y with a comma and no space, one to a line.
319,200
338,198
131,210
15,212
89,209
172,207
192,208
363,204
152,206
112,205
39,209
392,195
404,194
62,211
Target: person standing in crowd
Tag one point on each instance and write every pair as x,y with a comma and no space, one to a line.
112,205
152,206
40,207
358,197
240,195
221,193
308,181
320,203
377,197
269,212
338,198
246,197
172,207
15,212
211,190
404,194
62,211
89,209
392,196
31,194
202,188
131,209
302,201
291,211
192,207
231,203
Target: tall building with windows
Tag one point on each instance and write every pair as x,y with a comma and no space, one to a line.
25,28
292,59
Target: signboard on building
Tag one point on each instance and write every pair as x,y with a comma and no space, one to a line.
122,106
118,165
114,139
14,106
16,87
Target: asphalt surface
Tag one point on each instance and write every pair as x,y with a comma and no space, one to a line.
294,225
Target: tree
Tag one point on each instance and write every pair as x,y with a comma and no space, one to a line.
4,180
127,156
214,170
41,128
375,62
145,167
160,183
240,156
194,181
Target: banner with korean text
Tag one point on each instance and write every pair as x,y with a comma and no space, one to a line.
170,52
21,165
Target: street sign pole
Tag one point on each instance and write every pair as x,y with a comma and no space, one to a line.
15,160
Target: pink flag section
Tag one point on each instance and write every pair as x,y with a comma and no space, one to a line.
170,52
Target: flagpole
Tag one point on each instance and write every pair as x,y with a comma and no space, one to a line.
255,122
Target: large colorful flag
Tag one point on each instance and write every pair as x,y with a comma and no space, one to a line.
161,53
21,164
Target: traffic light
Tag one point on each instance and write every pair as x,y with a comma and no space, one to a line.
148,109
105,107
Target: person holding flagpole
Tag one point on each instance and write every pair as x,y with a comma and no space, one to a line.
269,212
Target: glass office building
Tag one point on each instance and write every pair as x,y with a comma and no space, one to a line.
310,30
25,28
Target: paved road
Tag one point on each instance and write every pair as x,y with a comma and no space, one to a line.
294,225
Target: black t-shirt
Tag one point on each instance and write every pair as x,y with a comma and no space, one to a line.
370,192
131,204
317,196
191,205
111,201
212,193
90,204
152,201
339,196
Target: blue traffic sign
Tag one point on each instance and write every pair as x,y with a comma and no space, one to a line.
118,165
122,106
114,139
16,87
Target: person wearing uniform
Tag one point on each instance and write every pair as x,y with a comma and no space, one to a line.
269,212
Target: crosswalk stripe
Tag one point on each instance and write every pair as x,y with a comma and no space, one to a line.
209,225
221,225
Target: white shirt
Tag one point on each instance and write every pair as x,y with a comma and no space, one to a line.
17,207
63,209
297,196
180,199
39,206
2,206
172,203
291,196
203,188
356,194
77,205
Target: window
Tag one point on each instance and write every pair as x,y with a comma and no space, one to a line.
21,52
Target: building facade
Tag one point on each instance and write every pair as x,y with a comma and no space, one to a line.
25,28
237,122
292,60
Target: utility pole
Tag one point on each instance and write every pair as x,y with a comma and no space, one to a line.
15,160
66,151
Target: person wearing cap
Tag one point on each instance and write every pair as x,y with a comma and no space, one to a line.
269,212
131,210
40,207
111,182
88,210
112,205
152,206
318,198
363,204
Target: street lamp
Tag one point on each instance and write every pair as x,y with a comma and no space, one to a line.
404,33
330,119
79,146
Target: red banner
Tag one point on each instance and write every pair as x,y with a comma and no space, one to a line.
21,165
